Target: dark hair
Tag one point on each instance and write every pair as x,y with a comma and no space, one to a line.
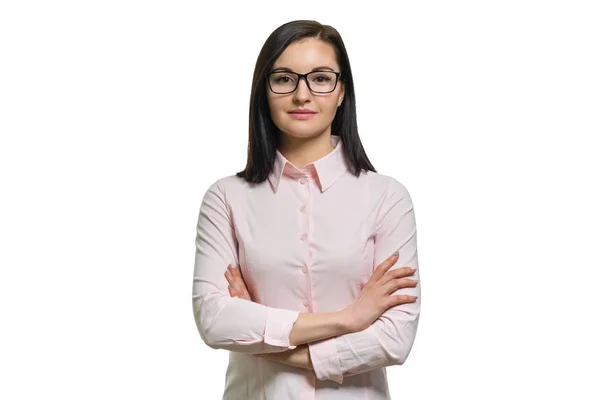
262,139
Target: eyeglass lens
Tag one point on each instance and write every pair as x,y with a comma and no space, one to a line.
318,82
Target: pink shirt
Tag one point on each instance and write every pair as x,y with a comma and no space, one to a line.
306,240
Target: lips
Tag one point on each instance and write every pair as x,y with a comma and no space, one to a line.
302,112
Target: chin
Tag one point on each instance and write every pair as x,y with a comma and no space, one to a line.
303,133
299,135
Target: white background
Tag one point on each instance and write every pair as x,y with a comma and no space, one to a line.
116,116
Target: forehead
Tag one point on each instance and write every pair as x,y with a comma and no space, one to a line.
305,54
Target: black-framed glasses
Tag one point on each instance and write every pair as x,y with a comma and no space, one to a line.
283,82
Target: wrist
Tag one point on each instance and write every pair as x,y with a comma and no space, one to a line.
300,357
344,321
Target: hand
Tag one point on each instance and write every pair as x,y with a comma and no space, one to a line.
298,357
237,286
375,297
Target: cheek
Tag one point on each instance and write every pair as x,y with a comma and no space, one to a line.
276,107
328,107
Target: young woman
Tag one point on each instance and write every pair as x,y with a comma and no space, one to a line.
303,258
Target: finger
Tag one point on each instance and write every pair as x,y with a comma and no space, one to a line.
396,273
236,285
232,291
240,280
233,272
237,280
400,299
228,270
398,283
245,292
383,267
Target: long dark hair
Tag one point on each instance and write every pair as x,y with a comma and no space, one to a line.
262,139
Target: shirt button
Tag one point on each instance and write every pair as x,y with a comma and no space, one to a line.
303,237
303,208
303,181
305,303
304,269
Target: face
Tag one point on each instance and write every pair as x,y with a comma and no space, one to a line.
302,57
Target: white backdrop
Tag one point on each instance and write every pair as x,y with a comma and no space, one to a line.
114,122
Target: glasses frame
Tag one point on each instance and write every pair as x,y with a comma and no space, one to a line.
305,77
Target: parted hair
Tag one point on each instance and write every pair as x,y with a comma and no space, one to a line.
262,132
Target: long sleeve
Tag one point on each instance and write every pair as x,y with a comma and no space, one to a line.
388,341
224,322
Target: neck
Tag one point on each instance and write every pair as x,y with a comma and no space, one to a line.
303,151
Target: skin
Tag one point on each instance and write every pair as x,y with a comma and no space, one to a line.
302,142
374,299
298,357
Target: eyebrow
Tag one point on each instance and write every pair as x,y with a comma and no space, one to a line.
314,69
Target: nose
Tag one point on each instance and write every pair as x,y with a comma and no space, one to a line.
302,92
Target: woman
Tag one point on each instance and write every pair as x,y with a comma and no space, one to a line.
315,304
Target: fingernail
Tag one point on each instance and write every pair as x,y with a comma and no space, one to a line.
415,297
396,254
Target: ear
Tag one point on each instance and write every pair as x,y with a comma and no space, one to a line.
341,96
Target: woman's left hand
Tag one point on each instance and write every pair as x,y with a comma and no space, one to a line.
237,286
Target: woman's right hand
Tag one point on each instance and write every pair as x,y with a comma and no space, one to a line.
375,297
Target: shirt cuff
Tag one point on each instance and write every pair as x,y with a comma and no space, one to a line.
325,360
279,326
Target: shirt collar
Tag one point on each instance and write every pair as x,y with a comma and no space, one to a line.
326,170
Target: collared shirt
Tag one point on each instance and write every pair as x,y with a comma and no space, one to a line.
305,240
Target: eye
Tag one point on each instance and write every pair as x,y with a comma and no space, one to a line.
283,78
322,78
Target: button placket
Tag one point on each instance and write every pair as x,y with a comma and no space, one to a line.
305,234
304,219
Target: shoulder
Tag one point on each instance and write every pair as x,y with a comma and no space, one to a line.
390,200
385,186
230,182
227,187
